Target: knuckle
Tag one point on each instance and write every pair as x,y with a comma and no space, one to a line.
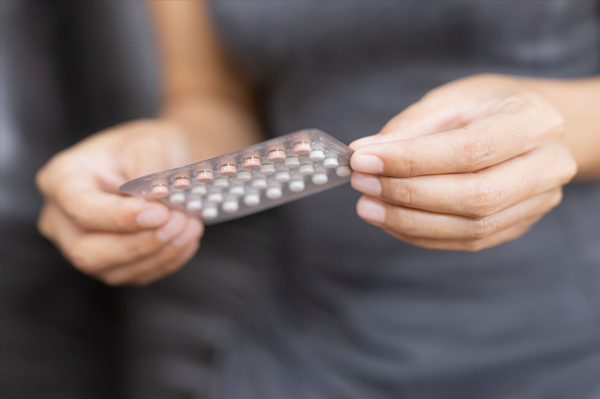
406,164
474,245
484,199
406,224
113,280
475,150
399,191
81,258
483,227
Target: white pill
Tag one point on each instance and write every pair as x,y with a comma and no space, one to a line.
252,199
244,175
177,198
237,190
230,206
343,171
273,193
306,169
194,205
319,178
282,176
199,189
221,182
316,155
210,212
267,168
215,196
296,186
330,162
292,162
259,183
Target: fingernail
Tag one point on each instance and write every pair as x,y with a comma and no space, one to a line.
366,184
153,217
371,210
174,226
366,163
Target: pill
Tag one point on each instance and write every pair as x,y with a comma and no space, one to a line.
319,178
244,175
259,183
302,148
343,171
177,198
292,162
296,185
228,169
282,176
194,204
276,155
210,212
204,176
199,189
252,199
221,182
160,191
237,190
330,162
231,205
181,183
273,193
267,168
251,163
215,196
306,169
316,155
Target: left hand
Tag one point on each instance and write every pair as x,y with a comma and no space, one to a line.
473,164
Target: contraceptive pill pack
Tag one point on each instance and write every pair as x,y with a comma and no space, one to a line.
251,180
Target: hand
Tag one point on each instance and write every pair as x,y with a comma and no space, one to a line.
473,164
117,239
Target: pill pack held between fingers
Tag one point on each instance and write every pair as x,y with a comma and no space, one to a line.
250,180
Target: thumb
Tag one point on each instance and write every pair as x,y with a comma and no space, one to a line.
434,113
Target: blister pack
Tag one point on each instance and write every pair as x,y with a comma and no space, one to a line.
250,180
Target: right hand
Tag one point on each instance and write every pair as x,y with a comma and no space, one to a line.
115,238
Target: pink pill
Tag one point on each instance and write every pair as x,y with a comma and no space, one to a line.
302,148
252,163
181,183
276,155
160,191
204,176
228,169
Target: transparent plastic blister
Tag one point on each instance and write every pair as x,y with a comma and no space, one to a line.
250,180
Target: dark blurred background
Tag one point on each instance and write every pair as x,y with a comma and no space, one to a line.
68,69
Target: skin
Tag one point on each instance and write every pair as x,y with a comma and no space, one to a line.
473,164
476,162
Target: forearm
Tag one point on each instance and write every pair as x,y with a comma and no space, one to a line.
213,125
203,93
578,101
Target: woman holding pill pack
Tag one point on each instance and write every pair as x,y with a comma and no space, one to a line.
468,279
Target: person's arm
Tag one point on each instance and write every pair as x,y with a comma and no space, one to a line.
578,101
202,92
207,111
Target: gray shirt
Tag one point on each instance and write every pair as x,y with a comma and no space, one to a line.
349,311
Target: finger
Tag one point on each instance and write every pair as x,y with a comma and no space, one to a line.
166,261
424,224
481,144
432,114
476,194
512,233
101,251
80,197
182,259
